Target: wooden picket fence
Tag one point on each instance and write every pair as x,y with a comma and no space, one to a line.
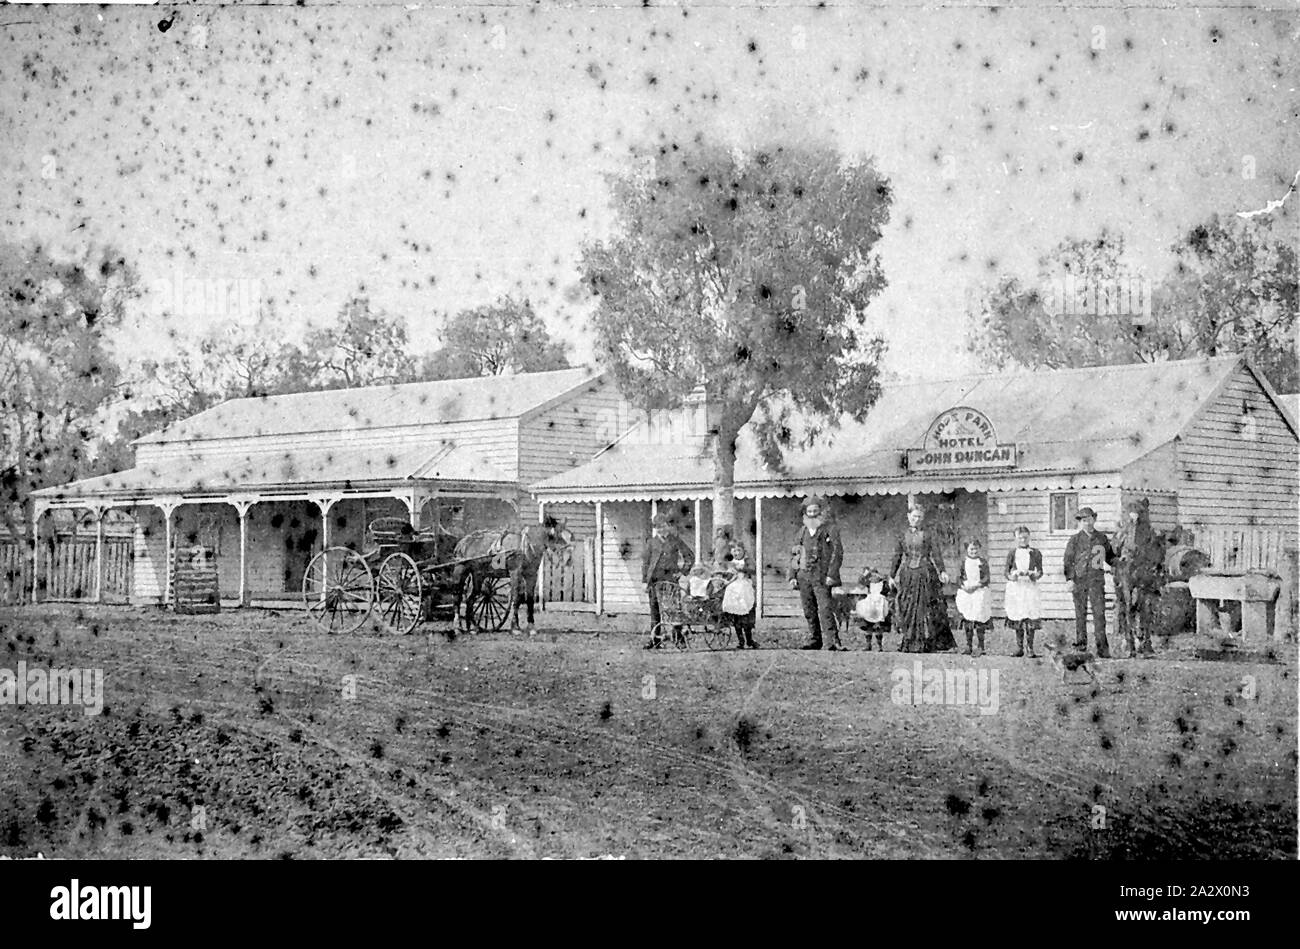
1248,549
67,570
570,575
15,586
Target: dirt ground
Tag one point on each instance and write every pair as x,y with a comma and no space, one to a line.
251,734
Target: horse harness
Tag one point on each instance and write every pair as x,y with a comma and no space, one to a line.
501,554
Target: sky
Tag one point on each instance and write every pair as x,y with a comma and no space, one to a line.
436,157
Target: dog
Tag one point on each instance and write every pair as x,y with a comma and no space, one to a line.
1065,658
842,606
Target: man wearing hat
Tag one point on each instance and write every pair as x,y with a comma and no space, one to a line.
666,557
1087,557
817,558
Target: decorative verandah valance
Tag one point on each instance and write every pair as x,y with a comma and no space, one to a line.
320,477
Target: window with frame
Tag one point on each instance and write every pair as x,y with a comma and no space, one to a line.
1063,509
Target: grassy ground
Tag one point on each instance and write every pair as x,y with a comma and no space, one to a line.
581,745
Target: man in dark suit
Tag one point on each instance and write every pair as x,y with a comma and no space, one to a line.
1087,556
666,557
816,571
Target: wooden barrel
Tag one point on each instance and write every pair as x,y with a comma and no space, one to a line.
1177,611
1184,561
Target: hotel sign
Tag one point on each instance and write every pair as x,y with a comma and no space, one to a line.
961,439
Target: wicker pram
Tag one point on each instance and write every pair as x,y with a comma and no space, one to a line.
696,617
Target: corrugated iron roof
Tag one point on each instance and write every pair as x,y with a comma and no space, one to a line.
1291,403
454,400
1066,422
202,472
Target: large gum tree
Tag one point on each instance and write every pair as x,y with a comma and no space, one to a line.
748,272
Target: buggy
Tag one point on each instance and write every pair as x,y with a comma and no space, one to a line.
408,576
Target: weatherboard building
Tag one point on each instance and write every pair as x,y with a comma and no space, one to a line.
1207,441
263,484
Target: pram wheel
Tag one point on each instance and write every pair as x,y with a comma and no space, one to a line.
664,636
717,635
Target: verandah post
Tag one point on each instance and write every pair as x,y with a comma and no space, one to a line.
324,505
36,551
242,507
697,530
99,554
600,558
758,554
243,555
168,509
541,569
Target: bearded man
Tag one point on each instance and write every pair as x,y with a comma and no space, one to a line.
815,571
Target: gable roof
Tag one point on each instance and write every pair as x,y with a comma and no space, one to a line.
453,400
1067,422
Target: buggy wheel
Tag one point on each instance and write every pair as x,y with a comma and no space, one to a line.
492,607
338,590
401,593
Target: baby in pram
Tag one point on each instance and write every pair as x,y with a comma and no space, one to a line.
696,584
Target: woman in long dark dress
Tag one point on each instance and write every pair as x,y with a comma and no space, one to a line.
920,614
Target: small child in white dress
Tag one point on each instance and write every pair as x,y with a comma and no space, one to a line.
739,605
973,597
872,610
1023,601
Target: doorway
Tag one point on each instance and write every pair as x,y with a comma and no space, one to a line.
300,523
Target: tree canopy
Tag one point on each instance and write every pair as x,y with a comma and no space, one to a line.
363,346
748,273
1232,289
57,371
1072,315
502,337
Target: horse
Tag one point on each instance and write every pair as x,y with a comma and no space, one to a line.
1139,574
517,551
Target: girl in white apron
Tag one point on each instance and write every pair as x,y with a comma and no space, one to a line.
738,600
973,597
1023,601
872,610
